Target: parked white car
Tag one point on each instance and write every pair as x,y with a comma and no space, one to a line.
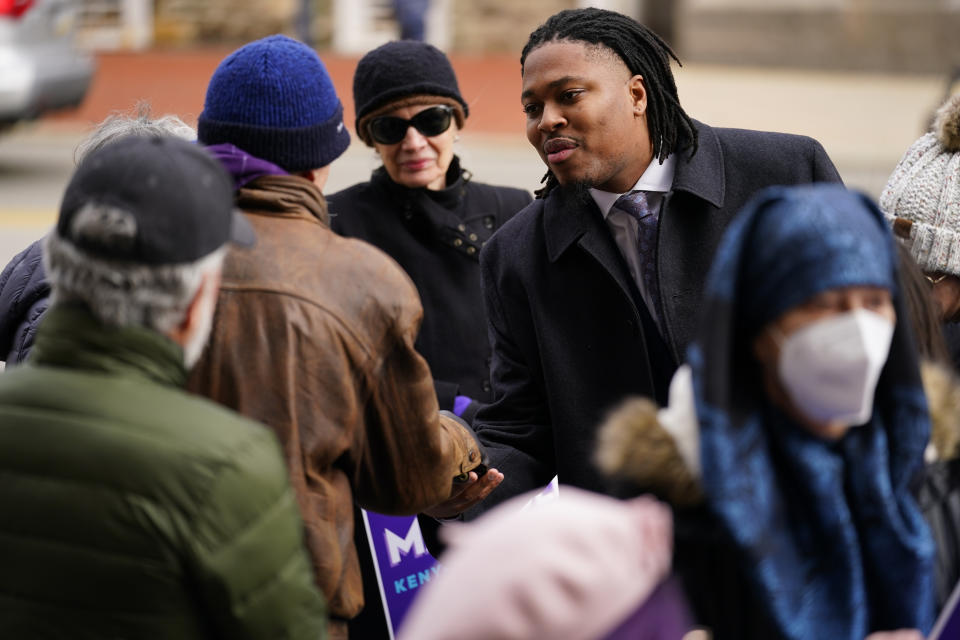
40,68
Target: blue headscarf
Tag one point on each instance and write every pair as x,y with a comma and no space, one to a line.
828,532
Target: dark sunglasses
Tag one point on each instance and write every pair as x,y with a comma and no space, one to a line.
429,122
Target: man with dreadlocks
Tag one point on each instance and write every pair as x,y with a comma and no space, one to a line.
587,301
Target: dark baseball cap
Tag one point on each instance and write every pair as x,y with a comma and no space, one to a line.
179,196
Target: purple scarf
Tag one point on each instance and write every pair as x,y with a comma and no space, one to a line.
242,166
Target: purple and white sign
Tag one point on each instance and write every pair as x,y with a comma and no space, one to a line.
402,561
948,624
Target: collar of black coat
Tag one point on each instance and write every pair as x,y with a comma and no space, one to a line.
71,337
702,175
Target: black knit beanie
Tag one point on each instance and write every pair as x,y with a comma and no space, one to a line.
274,99
400,69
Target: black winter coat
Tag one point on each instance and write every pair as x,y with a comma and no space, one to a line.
436,237
571,335
24,297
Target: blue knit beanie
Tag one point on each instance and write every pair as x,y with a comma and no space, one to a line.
274,99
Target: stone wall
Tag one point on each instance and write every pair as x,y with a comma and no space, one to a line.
221,21
882,35
878,35
476,26
498,26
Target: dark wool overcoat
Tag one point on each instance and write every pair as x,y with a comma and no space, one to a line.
571,336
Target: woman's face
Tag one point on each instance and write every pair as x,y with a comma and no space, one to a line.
418,160
828,304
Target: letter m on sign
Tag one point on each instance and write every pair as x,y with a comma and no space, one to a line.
412,542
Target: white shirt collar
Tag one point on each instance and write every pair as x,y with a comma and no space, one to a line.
657,178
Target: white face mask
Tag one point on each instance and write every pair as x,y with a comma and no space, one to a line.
830,368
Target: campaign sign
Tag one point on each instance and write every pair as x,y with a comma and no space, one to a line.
948,624
402,561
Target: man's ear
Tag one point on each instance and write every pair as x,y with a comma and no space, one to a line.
194,313
317,176
638,93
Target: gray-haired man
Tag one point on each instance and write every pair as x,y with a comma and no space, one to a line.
131,508
24,291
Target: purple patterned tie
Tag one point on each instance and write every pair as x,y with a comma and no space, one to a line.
634,204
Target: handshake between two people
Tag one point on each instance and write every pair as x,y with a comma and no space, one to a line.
470,487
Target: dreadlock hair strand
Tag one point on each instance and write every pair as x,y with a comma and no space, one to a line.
644,52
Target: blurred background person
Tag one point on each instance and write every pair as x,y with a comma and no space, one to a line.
132,509
412,18
314,334
938,487
793,435
24,290
579,567
425,210
921,201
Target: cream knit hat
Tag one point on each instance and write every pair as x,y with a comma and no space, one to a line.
922,198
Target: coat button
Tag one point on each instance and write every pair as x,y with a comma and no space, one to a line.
486,385
461,227
457,242
488,222
473,237
471,250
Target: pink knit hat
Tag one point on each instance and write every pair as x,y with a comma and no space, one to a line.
570,569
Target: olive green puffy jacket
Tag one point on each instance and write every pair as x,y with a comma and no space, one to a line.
131,509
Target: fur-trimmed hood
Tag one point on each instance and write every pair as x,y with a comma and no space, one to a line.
942,388
655,450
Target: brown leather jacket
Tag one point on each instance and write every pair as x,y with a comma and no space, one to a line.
314,337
